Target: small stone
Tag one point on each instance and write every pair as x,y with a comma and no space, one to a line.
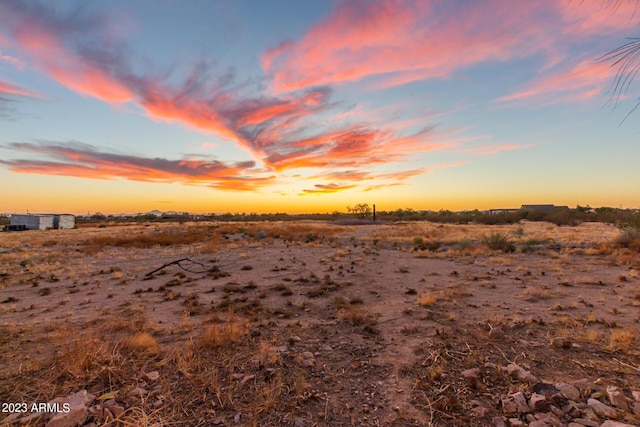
569,391
77,413
307,355
616,398
589,414
539,403
326,348
74,417
116,410
572,410
236,419
471,373
545,389
550,419
307,363
521,374
561,342
584,385
496,333
539,423
515,422
636,395
139,392
151,376
610,423
557,411
479,412
490,365
603,410
515,403
108,415
498,422
586,422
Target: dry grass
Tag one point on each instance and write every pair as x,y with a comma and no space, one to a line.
223,335
243,366
623,340
141,343
427,299
539,293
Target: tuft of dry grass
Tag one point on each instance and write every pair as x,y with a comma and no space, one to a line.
141,343
358,316
223,335
622,340
427,299
537,294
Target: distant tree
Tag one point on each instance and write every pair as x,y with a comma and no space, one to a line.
361,210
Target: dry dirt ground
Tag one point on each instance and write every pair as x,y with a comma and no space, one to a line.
310,323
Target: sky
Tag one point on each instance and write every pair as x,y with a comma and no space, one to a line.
313,106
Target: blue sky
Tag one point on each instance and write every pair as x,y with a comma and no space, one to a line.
216,106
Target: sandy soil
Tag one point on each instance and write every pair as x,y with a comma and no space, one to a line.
390,327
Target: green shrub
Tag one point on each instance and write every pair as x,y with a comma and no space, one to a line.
418,241
499,242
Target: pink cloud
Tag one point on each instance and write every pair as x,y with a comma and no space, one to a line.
84,161
11,89
280,131
583,81
71,70
402,41
398,42
592,17
327,188
15,62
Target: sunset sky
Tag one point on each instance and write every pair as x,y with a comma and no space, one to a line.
310,106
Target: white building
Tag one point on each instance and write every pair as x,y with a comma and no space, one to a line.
64,221
43,222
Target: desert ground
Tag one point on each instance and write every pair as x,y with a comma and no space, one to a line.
317,324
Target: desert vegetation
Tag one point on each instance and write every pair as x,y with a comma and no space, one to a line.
321,323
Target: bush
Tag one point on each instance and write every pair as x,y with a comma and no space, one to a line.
630,238
499,242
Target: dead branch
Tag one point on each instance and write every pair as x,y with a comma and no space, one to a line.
178,263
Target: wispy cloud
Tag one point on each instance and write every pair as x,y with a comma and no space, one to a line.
85,161
398,42
7,88
327,188
300,124
580,83
273,128
15,62
9,95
